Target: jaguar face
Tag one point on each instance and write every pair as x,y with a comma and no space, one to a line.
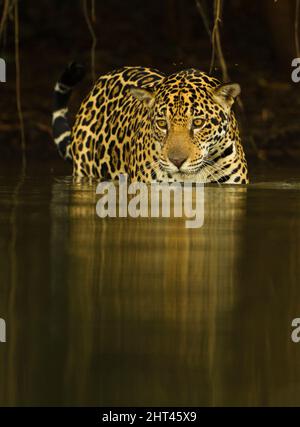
189,121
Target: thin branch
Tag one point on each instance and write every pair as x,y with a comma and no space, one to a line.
297,28
7,13
205,18
4,17
18,86
93,34
93,12
216,41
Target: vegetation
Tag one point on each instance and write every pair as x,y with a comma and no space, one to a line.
233,39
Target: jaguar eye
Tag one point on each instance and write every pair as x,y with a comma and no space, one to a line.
198,123
162,124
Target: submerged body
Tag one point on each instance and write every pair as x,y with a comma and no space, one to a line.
139,122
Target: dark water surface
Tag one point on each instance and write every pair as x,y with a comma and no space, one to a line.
145,311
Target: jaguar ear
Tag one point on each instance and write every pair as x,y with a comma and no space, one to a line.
142,95
226,94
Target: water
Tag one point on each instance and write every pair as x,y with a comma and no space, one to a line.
144,311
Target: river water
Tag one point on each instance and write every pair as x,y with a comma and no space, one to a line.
145,311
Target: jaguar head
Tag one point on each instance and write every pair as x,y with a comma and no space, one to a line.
190,114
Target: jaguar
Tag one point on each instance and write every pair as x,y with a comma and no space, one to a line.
151,126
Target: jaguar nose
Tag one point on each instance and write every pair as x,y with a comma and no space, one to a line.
178,160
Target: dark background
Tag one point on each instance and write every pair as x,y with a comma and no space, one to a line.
258,41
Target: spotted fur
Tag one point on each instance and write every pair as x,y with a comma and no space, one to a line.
139,122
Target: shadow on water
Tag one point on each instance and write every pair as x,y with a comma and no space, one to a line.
145,311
